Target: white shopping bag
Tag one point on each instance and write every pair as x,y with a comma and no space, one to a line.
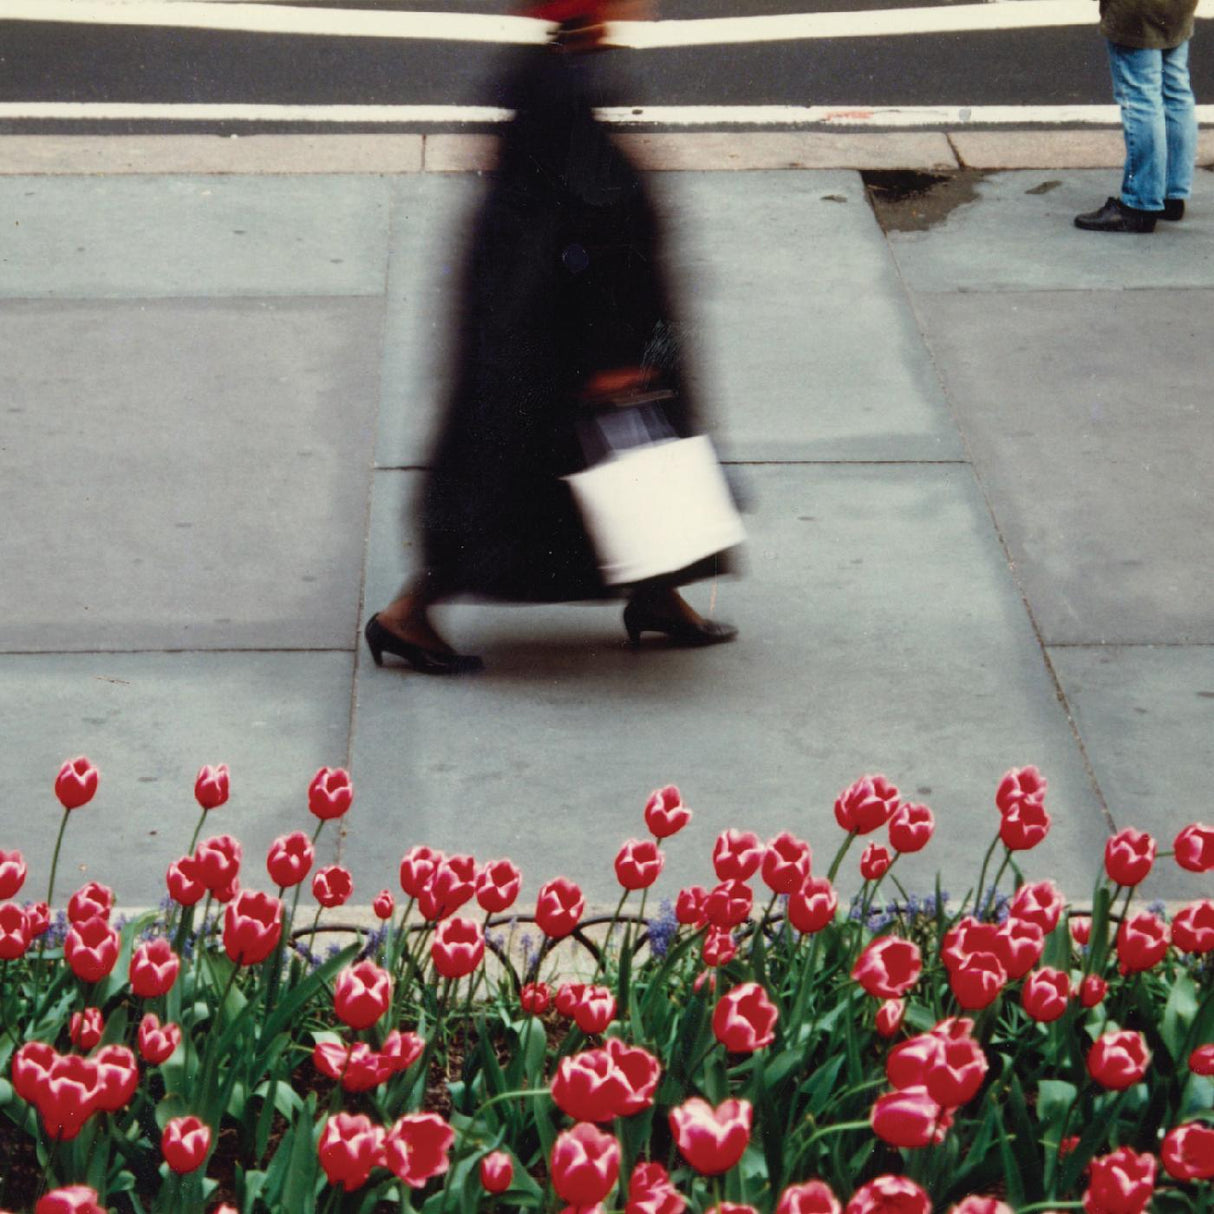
656,509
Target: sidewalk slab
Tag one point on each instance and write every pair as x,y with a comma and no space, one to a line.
186,474
157,237
149,722
1019,235
1146,715
880,631
801,344
1084,413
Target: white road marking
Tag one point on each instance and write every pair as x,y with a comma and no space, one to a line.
478,27
669,116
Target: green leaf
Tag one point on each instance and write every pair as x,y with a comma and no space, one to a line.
1178,1015
300,1188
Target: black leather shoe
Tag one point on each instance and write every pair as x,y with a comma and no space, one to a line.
426,661
1173,209
678,631
1115,216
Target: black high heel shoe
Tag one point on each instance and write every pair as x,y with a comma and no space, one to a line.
678,631
426,661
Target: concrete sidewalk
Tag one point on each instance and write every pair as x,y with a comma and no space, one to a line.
979,455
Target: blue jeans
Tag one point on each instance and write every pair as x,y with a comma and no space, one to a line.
1159,120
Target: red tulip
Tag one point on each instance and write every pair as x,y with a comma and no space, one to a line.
1194,847
67,1095
85,1028
589,1086
211,786
497,886
252,927
1019,785
866,805
1019,945
497,1172
72,1199
567,996
31,1067
153,969
813,906
729,904
184,880
458,947
909,1118
1041,903
1128,856
786,863
1024,825
330,793
1081,930
665,813
452,883
401,1050
641,1072
1201,1060
290,859
889,1017
875,862
947,1063
689,906
977,981
1142,941
350,1146
357,1067
416,868
1092,990
1188,1152
91,949
719,947
1193,927
117,1077
584,1164
156,1044
745,1019
736,855
383,905
711,1140
911,827
38,918
12,874
731,1207
1120,1183
332,885
535,998
889,1195
981,1205
362,993
1046,994
14,931
594,1009
218,862
76,783
559,907
184,1143
638,864
812,1197
968,936
888,967
415,1148
1118,1060
650,1191
93,900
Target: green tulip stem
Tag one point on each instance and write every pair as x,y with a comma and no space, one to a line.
1007,859
841,1127
763,920
615,918
50,888
838,860
197,831
986,860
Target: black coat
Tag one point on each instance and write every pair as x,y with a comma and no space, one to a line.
563,280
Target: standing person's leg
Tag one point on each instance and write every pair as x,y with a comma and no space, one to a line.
1138,90
1180,117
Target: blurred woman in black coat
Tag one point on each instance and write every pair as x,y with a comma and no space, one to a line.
563,303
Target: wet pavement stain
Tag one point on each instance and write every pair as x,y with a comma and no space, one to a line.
907,201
